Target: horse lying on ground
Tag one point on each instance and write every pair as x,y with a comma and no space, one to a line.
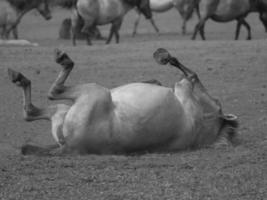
103,12
12,11
184,7
131,118
225,11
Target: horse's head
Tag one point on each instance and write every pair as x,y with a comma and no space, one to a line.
44,10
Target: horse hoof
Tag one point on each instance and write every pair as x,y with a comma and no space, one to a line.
62,58
162,56
18,78
28,149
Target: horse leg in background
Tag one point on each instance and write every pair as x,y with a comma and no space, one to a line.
75,17
87,30
154,24
263,19
31,112
97,34
111,33
240,22
3,33
15,33
200,28
136,23
117,26
244,22
237,31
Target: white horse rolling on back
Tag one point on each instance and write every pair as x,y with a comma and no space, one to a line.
102,12
137,117
184,7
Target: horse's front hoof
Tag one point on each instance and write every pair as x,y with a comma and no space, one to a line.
162,56
62,58
18,78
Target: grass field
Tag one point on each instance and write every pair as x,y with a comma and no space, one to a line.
233,71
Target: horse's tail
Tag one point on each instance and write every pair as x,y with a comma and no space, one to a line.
67,4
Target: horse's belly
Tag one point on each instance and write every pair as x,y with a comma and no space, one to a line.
161,5
229,10
146,116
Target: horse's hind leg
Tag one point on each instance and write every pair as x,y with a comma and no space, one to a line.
15,33
136,23
154,25
237,31
117,26
199,28
111,33
58,90
30,111
244,22
75,20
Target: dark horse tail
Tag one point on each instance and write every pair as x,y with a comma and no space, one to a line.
67,4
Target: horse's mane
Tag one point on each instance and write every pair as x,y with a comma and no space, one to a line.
68,4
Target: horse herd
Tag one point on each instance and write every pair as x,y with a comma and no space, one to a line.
135,117
92,13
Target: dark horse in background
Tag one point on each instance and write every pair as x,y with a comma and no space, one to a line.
104,12
12,11
226,11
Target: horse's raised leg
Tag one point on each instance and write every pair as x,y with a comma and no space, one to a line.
30,111
163,57
55,114
58,90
